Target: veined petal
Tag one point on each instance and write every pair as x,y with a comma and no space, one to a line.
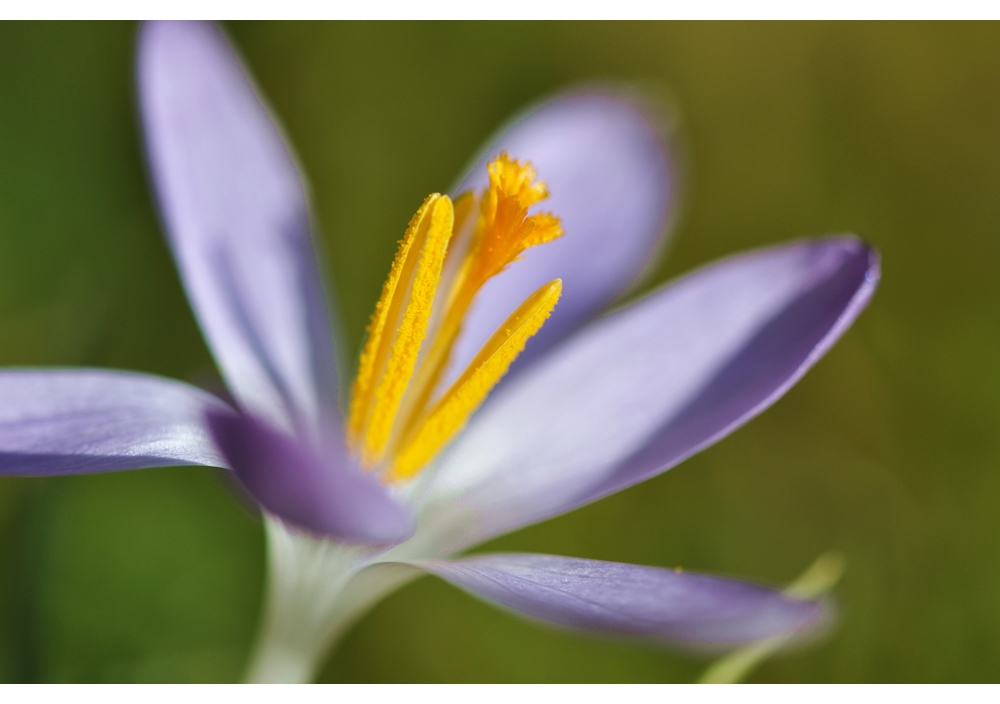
640,390
76,421
614,597
234,208
318,490
607,170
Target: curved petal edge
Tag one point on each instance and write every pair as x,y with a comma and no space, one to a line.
771,363
317,490
78,421
236,215
624,599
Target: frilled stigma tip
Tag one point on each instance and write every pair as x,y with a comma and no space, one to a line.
400,418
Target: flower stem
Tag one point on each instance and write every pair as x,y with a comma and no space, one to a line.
316,590
305,577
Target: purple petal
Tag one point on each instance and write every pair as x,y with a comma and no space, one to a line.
75,421
640,390
614,597
320,492
607,170
236,214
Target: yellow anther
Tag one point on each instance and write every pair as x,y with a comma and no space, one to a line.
394,422
452,411
398,327
503,231
377,343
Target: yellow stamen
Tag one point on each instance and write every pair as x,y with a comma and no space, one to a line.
382,378
394,422
452,411
413,328
503,231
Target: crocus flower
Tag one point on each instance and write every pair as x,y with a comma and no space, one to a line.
415,472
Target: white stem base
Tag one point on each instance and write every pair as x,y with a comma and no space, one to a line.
316,590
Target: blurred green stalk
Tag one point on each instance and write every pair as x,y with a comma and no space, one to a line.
818,579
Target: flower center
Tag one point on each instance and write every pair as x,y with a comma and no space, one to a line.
399,418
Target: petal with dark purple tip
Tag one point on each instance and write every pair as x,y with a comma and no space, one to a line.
606,166
236,214
618,598
77,421
317,490
640,390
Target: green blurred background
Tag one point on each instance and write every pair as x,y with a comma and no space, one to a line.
888,450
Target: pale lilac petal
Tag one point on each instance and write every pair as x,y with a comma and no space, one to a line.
634,600
234,208
76,421
638,391
318,491
606,165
